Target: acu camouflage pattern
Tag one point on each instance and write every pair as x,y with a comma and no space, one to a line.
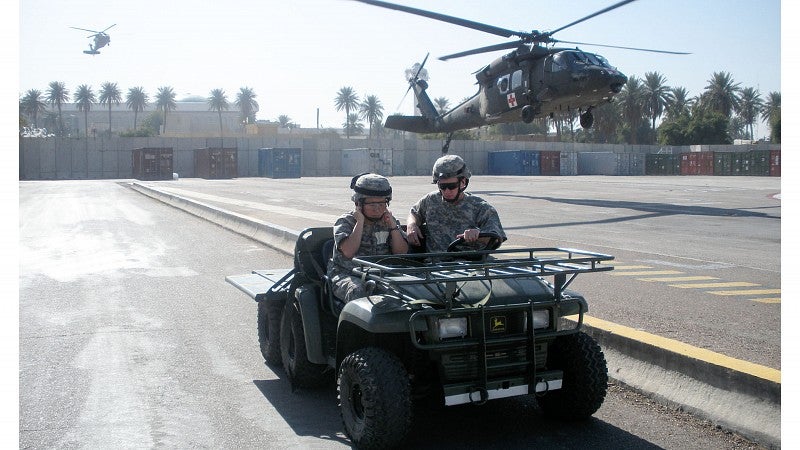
375,240
444,220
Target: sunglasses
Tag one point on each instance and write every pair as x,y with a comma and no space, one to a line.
449,186
377,204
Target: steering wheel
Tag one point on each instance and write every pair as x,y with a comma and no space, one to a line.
460,245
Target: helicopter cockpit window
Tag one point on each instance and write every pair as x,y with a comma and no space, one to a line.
516,79
603,61
560,61
502,84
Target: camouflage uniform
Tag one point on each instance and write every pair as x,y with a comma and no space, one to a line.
444,220
375,240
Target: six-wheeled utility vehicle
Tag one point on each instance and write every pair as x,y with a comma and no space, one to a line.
453,328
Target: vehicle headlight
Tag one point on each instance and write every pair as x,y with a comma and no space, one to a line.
451,327
541,319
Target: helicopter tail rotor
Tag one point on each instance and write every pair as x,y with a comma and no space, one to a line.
413,79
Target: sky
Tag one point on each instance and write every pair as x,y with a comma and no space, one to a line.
297,55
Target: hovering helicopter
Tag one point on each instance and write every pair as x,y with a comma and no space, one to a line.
101,39
533,80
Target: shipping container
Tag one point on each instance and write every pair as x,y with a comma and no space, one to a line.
597,163
372,160
723,163
550,163
697,163
516,162
741,163
152,163
774,163
215,163
569,163
279,162
760,163
662,164
630,164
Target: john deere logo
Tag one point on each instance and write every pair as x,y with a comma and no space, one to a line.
497,324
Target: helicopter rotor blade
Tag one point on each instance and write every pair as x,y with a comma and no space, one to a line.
624,48
602,11
490,48
421,66
108,28
84,29
449,19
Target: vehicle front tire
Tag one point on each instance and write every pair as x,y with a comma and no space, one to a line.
269,331
374,398
302,372
585,382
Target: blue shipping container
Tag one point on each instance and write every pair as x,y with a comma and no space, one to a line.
518,162
279,162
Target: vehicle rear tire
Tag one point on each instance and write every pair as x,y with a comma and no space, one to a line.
374,398
585,380
269,330
302,372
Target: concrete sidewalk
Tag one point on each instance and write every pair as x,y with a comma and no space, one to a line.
734,394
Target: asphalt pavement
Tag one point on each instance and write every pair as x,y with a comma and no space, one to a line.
691,313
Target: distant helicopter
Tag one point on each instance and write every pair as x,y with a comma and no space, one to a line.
101,39
531,81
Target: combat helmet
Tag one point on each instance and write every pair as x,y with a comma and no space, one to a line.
450,166
370,185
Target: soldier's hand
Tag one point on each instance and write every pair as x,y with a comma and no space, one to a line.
414,234
470,235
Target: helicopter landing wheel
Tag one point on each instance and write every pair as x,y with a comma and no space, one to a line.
587,119
528,113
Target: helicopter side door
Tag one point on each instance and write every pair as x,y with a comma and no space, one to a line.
508,93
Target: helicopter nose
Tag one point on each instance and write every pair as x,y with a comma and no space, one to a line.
616,80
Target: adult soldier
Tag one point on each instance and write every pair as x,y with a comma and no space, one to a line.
370,229
449,213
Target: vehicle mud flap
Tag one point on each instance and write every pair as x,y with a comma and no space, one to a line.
269,313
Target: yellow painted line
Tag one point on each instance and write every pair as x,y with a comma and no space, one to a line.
714,285
631,267
747,292
691,351
646,272
673,279
767,300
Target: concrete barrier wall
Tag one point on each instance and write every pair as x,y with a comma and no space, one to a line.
96,158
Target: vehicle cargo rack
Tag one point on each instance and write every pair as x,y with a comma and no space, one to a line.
393,271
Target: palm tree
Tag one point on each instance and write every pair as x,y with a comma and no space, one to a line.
217,102
346,99
57,94
136,100
371,110
442,104
771,112
110,95
657,95
33,104
285,121
353,125
679,103
84,98
247,104
721,94
631,100
750,105
165,101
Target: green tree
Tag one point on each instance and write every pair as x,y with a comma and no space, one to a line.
347,100
285,121
57,95
656,96
442,104
136,100
721,95
632,103
217,102
165,101
607,121
771,113
110,95
353,125
750,105
371,110
247,104
84,98
32,104
678,103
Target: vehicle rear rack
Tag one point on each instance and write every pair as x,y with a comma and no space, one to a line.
425,268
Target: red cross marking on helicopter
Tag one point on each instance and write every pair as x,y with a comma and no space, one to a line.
512,100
